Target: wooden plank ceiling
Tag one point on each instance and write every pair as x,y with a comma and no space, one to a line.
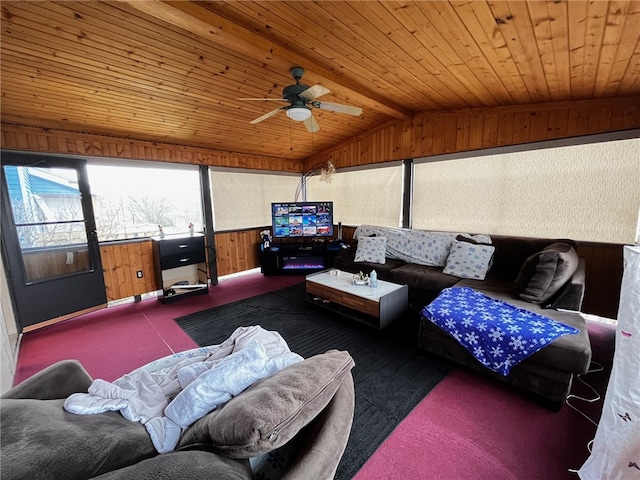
174,71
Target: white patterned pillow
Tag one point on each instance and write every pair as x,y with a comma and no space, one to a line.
467,260
371,249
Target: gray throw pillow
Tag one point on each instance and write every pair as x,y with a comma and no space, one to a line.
272,411
545,273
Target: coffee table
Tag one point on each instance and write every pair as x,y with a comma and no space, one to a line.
377,307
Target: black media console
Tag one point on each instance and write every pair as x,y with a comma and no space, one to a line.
298,258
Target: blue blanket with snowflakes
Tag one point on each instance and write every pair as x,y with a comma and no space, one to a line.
498,334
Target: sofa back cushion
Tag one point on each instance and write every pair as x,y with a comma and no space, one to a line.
272,411
511,253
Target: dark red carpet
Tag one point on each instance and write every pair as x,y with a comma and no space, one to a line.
468,427
116,340
471,427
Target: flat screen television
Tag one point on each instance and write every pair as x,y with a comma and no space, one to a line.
302,219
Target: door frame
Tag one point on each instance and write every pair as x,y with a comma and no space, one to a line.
64,295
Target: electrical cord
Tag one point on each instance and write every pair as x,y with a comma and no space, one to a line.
593,368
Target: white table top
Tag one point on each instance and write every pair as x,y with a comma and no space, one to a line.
342,282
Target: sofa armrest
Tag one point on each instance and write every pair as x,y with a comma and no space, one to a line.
324,440
571,295
54,382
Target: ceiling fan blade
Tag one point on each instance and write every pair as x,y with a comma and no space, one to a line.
265,99
267,115
311,124
313,92
336,107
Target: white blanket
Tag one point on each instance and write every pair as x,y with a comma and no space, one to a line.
167,401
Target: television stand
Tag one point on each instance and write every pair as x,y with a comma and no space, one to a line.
296,258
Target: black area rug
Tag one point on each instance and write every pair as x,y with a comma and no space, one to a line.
390,375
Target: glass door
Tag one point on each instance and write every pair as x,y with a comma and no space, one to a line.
49,239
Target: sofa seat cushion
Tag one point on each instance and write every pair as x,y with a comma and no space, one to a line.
570,353
382,269
547,383
422,277
41,440
184,465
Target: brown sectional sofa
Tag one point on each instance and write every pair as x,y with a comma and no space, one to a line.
302,414
548,373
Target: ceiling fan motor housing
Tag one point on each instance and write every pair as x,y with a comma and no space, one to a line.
292,92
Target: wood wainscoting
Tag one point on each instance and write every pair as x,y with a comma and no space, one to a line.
120,263
238,251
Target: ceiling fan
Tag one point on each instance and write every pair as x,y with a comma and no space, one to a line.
301,99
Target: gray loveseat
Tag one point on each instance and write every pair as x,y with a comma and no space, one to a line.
516,266
302,415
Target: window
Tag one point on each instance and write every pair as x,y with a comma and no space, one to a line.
133,200
243,199
547,192
370,196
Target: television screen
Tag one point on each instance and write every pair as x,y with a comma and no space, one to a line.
302,219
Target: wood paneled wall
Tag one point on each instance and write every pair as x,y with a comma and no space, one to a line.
120,262
17,137
51,262
604,268
428,134
238,251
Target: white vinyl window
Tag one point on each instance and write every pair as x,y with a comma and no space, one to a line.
243,199
136,199
588,192
363,196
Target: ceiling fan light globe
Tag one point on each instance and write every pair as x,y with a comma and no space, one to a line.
299,114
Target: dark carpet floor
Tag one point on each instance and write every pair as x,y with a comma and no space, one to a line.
390,375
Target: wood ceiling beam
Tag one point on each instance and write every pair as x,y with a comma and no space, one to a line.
203,22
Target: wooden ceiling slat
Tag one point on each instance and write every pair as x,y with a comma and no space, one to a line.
628,43
449,26
611,42
544,37
320,32
156,92
559,26
578,12
418,18
515,23
479,21
404,70
597,19
194,18
343,22
114,56
129,90
63,107
174,71
416,38
169,47
631,81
